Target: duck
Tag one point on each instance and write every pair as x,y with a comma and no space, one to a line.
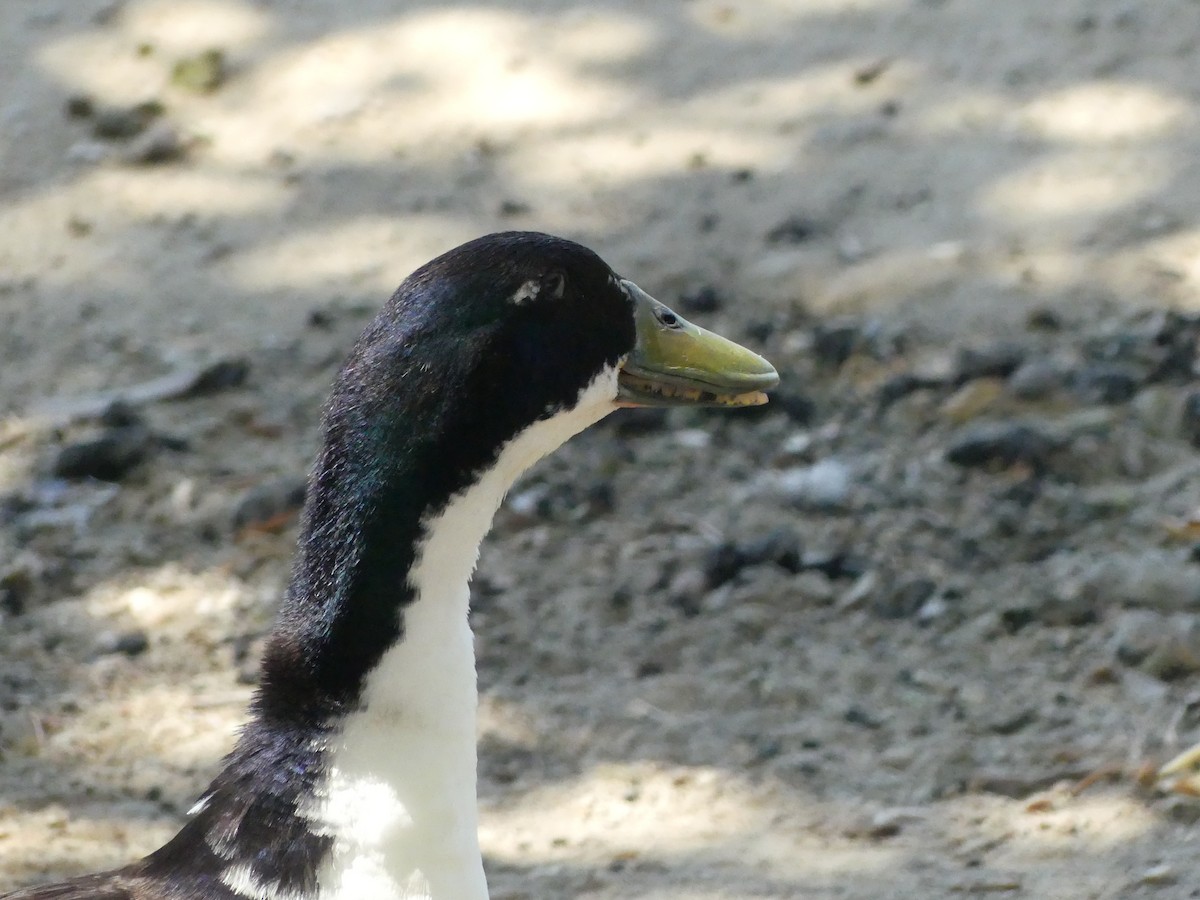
354,777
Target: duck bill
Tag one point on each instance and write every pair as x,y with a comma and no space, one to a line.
676,363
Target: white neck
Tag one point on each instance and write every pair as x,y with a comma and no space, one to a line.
400,799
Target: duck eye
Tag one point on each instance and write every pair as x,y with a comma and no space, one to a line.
555,284
667,318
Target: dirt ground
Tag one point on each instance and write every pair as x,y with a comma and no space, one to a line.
925,627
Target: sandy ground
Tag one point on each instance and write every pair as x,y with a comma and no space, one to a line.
933,174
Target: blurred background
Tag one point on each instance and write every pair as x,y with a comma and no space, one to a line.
928,625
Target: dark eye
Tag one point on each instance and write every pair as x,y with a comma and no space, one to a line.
667,318
554,284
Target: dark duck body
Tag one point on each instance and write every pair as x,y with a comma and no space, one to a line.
355,775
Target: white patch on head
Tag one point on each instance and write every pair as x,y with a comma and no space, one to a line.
242,881
400,798
526,292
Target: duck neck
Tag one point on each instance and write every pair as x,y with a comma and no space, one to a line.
371,669
400,792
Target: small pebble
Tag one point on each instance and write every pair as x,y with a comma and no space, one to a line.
1191,419
1107,383
834,343
1001,445
109,457
900,386
202,73
1035,379
270,502
825,485
639,420
1167,647
79,106
88,152
794,230
220,376
1161,874
780,546
814,588
510,208
160,143
722,563
798,407
130,643
704,299
122,123
993,361
972,400
904,600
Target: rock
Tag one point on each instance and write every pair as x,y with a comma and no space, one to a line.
1167,647
16,588
780,546
121,414
649,668
21,734
1155,579
760,330
1012,721
856,715
702,300
1016,618
202,73
1161,410
1044,319
1178,339
1069,603
160,143
1035,379
564,501
795,230
798,407
686,590
248,650
270,503
833,343
109,457
221,375
972,400
903,601
814,588
863,588
722,563
1190,424
1003,444
509,208
87,152
835,566
1136,635
79,106
1182,810
639,420
1162,874
130,643
900,386
693,438
825,485
122,123
1107,383
998,360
